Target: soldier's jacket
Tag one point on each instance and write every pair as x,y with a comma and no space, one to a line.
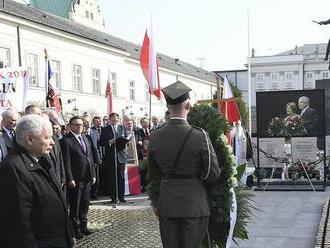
178,197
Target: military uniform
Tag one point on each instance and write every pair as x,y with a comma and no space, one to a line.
181,162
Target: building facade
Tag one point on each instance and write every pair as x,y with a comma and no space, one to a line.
83,59
296,69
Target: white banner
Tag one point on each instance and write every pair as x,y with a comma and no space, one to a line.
14,83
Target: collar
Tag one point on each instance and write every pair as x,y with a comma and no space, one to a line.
302,111
178,118
76,135
6,130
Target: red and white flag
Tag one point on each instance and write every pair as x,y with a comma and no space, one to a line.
229,107
108,95
149,62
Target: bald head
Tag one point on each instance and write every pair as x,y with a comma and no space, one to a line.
9,119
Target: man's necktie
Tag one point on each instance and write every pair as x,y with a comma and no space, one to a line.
12,134
82,144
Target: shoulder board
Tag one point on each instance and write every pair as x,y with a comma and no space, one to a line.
198,128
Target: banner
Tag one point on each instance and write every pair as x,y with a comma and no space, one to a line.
14,83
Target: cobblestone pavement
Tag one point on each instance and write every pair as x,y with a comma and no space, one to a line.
121,228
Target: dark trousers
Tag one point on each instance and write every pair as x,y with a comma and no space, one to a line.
79,204
95,186
183,232
120,183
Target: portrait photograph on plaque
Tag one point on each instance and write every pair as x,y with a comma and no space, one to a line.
296,113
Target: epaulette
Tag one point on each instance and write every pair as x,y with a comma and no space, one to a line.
198,128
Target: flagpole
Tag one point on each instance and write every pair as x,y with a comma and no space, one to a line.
149,111
46,76
249,76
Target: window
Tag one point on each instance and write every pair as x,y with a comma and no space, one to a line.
92,16
32,61
260,77
309,75
4,57
77,82
56,78
87,14
132,90
114,83
96,81
274,76
325,74
288,76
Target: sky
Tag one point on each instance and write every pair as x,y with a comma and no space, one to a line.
217,30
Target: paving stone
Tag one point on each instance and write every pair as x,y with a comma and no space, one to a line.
122,228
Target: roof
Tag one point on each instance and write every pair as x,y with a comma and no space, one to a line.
307,49
56,7
29,13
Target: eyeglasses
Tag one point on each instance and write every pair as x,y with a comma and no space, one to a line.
80,125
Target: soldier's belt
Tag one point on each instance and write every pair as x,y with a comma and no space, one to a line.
180,176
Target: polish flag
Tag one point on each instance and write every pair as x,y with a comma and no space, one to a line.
149,62
229,107
108,95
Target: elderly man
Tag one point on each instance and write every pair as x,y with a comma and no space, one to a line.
9,119
34,212
181,162
308,116
155,122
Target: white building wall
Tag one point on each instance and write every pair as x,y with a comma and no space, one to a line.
70,50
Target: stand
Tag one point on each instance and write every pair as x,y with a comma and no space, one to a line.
289,149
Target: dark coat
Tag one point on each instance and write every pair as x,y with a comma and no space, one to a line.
77,163
9,143
311,121
109,156
33,212
58,162
181,198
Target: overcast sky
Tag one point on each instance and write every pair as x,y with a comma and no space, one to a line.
217,29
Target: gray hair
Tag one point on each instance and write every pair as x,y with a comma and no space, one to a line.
31,124
304,99
8,112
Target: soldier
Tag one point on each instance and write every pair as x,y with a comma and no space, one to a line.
182,162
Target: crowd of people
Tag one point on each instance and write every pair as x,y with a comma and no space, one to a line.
48,172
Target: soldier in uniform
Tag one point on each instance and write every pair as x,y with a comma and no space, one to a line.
182,163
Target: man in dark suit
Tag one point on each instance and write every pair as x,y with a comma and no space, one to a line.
95,133
308,115
34,211
107,139
9,119
181,161
80,174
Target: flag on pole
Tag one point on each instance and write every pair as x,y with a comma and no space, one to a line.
149,62
108,95
52,98
229,107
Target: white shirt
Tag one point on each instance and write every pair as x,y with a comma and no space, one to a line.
178,118
76,136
